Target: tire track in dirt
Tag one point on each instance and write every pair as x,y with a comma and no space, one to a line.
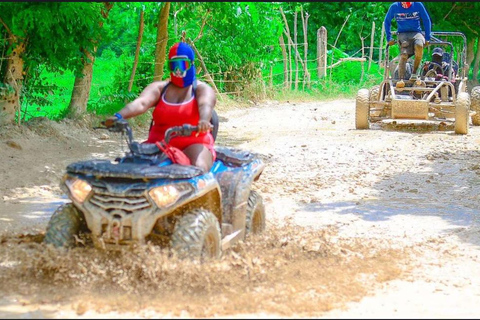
349,212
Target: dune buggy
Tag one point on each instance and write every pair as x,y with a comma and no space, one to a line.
434,95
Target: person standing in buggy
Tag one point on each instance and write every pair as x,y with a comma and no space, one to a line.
410,36
181,100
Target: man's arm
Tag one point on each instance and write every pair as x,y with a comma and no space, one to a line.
387,23
147,99
427,23
206,100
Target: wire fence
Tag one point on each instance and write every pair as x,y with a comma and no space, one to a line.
231,82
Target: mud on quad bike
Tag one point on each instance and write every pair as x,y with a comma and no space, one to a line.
143,197
437,95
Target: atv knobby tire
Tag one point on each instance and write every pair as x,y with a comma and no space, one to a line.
196,235
475,105
462,111
65,223
255,218
362,109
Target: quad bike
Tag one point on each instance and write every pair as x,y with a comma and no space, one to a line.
427,96
144,197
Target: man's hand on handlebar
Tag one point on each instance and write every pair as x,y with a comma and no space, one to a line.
391,42
110,122
204,126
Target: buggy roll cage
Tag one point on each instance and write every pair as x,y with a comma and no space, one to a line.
463,56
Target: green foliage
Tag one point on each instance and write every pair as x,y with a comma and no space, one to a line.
239,43
54,31
110,84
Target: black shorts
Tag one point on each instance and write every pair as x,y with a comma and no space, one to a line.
408,40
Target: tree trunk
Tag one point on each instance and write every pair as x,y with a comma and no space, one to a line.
10,102
285,62
470,54
83,83
137,52
477,62
306,77
297,54
161,46
82,86
287,34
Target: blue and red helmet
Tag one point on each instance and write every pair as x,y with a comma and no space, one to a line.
180,64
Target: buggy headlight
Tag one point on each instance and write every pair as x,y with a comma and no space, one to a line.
79,189
165,196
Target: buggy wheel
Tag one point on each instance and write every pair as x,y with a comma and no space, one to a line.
196,235
362,109
475,105
374,91
255,219
462,107
65,223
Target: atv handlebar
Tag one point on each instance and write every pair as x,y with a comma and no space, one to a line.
183,131
122,126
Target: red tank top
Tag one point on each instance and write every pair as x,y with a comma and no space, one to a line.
166,115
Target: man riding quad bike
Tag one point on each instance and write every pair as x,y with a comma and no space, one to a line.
144,197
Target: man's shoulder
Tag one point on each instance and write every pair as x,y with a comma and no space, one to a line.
202,84
395,5
159,84
156,86
204,87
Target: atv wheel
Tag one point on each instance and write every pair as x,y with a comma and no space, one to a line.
255,219
197,235
462,107
65,223
475,105
362,109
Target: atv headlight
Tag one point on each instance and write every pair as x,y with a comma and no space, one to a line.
79,189
167,195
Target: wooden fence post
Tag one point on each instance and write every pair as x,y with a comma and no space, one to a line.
285,62
295,47
370,56
380,49
363,55
322,52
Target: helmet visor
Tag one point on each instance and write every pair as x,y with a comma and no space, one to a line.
179,65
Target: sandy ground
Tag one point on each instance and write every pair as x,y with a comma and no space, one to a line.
375,223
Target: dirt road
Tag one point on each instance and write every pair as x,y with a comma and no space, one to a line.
361,224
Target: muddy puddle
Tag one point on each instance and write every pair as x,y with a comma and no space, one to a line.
285,271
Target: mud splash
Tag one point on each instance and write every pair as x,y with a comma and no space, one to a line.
285,271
